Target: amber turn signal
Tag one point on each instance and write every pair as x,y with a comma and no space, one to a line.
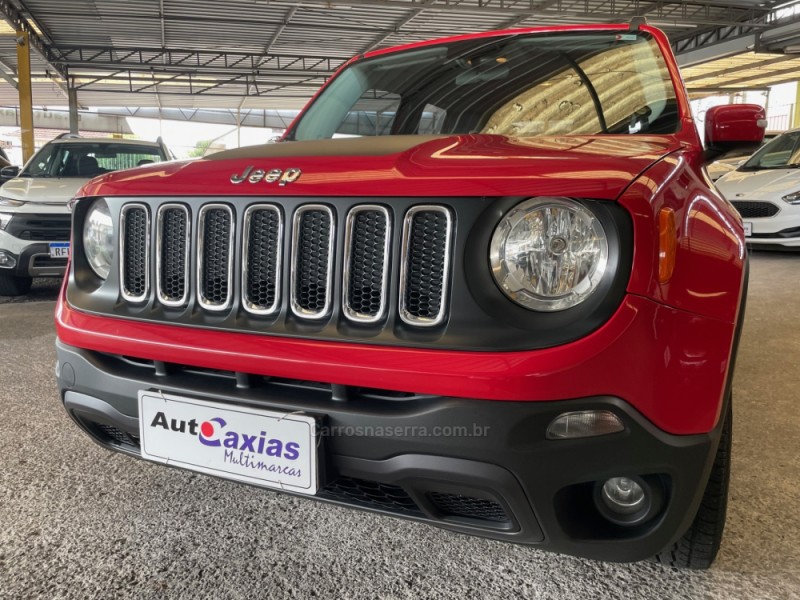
667,244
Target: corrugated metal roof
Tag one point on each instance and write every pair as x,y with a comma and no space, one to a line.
247,34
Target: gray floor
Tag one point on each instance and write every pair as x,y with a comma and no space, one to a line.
79,522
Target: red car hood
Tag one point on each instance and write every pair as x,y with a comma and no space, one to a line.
463,165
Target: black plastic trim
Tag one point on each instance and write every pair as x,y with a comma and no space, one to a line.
557,327
545,486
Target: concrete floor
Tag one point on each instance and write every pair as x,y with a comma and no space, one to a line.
79,522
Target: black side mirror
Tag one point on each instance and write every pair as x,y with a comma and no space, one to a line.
9,172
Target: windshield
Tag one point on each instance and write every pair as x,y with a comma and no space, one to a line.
781,153
514,85
89,159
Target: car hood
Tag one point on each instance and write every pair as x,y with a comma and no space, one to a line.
434,166
42,190
766,184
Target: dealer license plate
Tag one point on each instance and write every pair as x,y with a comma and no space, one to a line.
748,229
59,249
261,447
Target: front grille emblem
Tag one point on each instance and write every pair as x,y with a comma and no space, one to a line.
252,175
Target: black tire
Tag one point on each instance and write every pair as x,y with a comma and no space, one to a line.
11,285
698,547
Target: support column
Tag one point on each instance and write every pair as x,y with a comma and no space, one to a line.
72,95
25,95
796,114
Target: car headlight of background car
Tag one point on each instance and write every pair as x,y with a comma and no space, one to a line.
793,198
5,219
549,254
98,238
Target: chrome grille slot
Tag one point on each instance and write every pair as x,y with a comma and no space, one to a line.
215,251
312,261
172,254
134,251
263,233
425,265
366,263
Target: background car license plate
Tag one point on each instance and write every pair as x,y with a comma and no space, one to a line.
261,447
59,250
748,229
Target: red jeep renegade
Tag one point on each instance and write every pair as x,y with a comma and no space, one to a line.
482,282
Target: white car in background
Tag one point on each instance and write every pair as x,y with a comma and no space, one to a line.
34,218
765,190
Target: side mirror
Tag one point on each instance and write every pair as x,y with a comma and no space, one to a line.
9,172
734,127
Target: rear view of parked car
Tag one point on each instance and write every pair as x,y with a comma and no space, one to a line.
34,219
766,191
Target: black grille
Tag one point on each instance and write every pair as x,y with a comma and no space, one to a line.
208,267
366,267
109,433
43,261
216,228
370,494
135,265
40,228
456,505
755,210
312,261
263,259
427,239
174,237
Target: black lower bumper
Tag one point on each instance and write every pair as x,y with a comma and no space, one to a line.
35,261
473,466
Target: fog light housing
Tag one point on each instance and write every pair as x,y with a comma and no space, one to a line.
584,423
7,260
629,500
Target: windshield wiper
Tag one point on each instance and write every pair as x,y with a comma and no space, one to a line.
768,167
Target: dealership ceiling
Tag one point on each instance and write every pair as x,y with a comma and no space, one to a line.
275,53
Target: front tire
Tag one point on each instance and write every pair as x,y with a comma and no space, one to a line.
11,285
698,547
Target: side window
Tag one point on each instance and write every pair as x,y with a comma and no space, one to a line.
372,114
432,120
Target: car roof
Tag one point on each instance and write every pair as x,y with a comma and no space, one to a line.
99,140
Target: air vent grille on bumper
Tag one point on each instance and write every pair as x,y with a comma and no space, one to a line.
755,210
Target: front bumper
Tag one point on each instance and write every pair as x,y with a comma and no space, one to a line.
31,258
475,466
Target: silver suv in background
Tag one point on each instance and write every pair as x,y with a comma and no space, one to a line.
34,217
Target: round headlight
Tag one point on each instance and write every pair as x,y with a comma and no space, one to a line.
549,254
98,238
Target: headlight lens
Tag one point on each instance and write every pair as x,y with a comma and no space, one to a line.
10,202
792,198
549,254
98,238
5,219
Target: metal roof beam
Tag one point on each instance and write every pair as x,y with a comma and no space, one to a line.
191,61
790,72
729,15
742,67
16,20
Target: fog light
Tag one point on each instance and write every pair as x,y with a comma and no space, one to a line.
584,423
7,260
623,495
